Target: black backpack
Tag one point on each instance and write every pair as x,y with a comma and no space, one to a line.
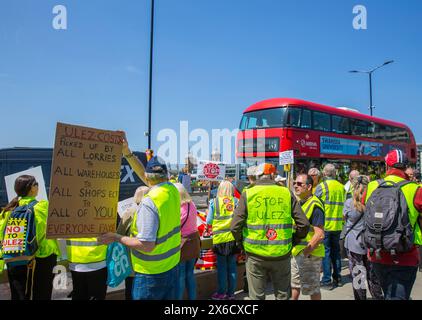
386,222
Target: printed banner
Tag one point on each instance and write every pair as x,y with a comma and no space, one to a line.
85,181
330,145
14,236
211,170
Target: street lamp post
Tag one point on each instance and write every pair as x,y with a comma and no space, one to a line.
151,54
371,106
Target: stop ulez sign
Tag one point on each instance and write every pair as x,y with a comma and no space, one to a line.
211,170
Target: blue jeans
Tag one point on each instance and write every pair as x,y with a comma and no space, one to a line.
186,278
332,257
226,274
160,286
396,281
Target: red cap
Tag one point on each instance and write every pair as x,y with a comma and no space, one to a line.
396,159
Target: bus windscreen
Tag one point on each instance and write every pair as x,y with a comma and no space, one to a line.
270,118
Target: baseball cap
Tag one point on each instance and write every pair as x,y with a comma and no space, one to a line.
265,169
156,165
280,179
396,159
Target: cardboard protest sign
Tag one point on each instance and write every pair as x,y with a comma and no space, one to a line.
85,180
123,205
211,170
37,173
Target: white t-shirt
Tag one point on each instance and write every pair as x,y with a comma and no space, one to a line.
87,267
347,186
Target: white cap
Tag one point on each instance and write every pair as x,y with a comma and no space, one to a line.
280,179
251,171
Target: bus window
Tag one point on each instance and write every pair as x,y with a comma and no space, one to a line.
322,121
293,117
243,122
371,130
271,118
400,134
359,127
340,125
382,131
306,122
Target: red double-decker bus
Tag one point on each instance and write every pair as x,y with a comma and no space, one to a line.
319,134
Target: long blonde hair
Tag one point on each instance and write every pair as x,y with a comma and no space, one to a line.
184,195
225,189
360,186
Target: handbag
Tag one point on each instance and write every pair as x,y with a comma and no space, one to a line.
191,244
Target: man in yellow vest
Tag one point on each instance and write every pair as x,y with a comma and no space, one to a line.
397,273
155,237
263,226
308,254
332,194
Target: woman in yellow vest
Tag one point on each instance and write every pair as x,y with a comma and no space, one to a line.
359,265
307,255
220,215
41,277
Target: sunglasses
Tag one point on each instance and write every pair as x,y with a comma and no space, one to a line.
299,184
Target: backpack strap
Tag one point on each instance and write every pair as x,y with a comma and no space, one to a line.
187,217
354,225
380,182
32,205
403,183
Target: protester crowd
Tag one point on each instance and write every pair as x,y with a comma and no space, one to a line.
289,234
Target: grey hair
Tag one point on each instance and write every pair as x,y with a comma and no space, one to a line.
329,170
314,171
156,177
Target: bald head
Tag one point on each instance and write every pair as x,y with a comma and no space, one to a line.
411,173
353,174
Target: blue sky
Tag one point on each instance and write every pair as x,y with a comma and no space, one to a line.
213,58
